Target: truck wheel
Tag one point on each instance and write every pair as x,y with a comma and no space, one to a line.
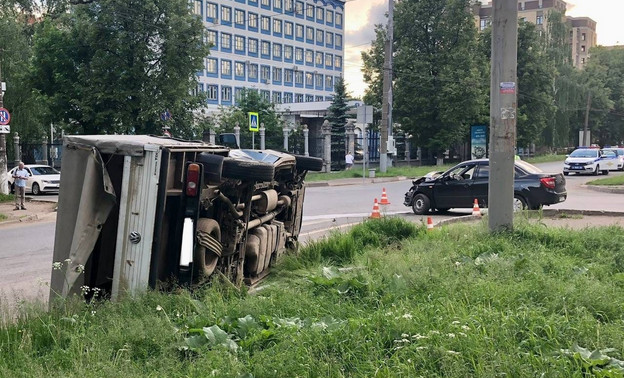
213,166
309,163
247,170
208,248
421,204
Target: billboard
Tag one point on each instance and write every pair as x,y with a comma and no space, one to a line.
478,141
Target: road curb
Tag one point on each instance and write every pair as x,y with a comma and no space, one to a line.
355,181
605,189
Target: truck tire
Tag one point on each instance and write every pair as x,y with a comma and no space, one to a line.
309,163
206,255
213,166
247,170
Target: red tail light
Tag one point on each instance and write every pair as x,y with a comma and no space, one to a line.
192,180
548,182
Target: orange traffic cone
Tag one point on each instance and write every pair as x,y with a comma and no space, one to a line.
429,224
475,208
384,197
376,214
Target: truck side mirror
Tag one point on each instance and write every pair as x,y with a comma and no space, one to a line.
228,140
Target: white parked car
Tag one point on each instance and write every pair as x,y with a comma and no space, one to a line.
590,160
43,178
620,157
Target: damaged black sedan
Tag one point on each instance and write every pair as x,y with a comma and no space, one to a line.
461,185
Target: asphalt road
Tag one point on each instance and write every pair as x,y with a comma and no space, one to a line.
26,249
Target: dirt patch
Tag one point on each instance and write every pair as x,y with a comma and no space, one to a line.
35,211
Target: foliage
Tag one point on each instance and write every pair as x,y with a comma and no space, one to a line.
372,72
114,67
615,180
251,101
7,197
339,107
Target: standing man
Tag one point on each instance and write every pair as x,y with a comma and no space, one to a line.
349,160
20,175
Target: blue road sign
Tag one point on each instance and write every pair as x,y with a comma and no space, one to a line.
166,116
253,121
5,116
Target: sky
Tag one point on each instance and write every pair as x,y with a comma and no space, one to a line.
363,15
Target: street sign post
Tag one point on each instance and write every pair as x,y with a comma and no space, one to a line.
5,129
254,127
5,116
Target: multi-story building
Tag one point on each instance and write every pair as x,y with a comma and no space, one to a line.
291,51
582,29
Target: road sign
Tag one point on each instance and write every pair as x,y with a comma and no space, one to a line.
5,116
253,121
365,114
166,116
5,129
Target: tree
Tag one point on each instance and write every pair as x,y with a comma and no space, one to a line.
438,85
372,70
337,118
114,66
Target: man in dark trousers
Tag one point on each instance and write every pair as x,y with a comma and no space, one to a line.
20,175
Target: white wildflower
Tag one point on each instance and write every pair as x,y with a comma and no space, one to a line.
457,263
434,332
419,337
404,335
465,328
455,322
159,308
68,261
421,348
80,268
84,290
57,265
451,335
407,316
453,352
93,313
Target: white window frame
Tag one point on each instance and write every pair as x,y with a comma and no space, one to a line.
226,67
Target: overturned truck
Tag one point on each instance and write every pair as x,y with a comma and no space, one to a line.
134,211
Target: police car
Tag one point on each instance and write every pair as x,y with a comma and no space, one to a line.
590,160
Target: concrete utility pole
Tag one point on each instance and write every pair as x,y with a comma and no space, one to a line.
4,175
503,94
386,111
586,142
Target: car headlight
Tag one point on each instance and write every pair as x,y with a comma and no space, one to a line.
45,181
566,162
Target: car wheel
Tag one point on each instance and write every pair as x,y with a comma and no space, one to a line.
605,172
421,204
35,189
596,171
208,248
519,203
566,173
247,170
309,163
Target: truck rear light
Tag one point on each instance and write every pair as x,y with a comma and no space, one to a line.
548,182
192,180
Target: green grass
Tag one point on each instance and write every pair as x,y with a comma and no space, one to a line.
3,217
7,197
615,180
386,299
545,159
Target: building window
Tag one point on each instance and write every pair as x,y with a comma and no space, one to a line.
253,46
226,14
320,13
338,20
319,58
277,4
288,98
226,41
329,82
226,93
265,73
239,17
277,26
583,36
288,5
539,20
582,48
253,71
226,68
288,29
239,69
299,77
211,10
266,3
329,38
288,76
483,24
266,48
211,65
277,74
319,99
309,98
288,52
309,10
329,59
298,97
211,38
299,31
253,20
239,43
329,15
309,78
299,54
338,41
310,34
277,50
319,80
277,97
299,8
309,56
211,92
265,95
238,94
338,62
265,23
319,36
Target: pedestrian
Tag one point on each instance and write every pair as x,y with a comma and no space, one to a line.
349,160
20,175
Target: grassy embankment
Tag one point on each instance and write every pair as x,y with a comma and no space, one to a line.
615,180
386,299
408,171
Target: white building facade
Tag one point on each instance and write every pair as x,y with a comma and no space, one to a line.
291,51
